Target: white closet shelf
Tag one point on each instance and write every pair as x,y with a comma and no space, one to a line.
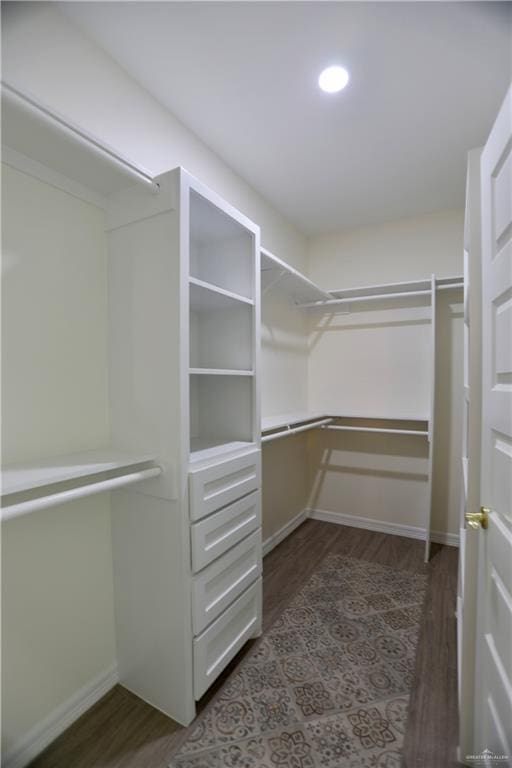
383,430
300,422
289,420
19,478
290,280
384,291
205,297
219,372
36,132
206,448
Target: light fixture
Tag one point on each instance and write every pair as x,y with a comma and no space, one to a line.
333,79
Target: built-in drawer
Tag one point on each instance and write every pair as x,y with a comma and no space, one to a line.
216,485
214,535
218,644
215,588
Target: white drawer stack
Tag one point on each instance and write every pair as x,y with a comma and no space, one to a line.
225,514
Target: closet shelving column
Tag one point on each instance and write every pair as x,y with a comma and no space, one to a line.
184,308
223,327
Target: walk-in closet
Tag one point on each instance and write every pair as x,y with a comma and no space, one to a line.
256,503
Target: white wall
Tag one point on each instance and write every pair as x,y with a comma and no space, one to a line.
376,362
46,55
284,363
406,249
57,603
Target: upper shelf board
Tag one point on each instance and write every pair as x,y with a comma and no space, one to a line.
296,285
205,297
35,132
36,474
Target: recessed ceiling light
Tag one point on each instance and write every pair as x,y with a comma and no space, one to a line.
333,79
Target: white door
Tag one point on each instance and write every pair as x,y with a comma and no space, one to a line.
493,698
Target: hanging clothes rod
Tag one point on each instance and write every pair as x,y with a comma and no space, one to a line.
82,136
295,430
384,430
371,297
447,286
62,497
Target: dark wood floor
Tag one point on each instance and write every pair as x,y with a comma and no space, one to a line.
121,731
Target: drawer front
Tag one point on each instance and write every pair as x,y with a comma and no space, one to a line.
218,644
219,532
223,581
216,485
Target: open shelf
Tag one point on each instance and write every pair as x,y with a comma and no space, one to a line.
221,249
221,411
301,289
206,297
221,339
19,478
219,372
381,425
270,423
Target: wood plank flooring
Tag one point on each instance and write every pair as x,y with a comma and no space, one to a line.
121,731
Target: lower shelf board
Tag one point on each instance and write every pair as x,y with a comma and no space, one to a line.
204,448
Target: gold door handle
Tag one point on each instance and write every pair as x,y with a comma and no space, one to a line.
475,520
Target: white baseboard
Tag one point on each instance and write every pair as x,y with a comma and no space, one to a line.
282,533
395,529
42,734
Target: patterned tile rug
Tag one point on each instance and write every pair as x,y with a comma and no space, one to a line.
327,686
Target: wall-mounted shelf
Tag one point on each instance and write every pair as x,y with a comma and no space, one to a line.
384,292
34,133
382,430
85,470
282,426
205,297
18,478
219,372
275,272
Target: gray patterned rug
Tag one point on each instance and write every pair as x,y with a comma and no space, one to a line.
327,686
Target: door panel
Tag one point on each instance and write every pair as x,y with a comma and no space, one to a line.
493,715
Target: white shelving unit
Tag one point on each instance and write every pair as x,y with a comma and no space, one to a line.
183,345
198,261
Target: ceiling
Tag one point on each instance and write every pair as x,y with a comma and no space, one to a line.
427,80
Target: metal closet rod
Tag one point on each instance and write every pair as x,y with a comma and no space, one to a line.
378,296
295,430
371,297
62,497
83,137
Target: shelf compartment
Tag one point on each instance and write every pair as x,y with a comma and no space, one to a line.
221,249
221,414
222,339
